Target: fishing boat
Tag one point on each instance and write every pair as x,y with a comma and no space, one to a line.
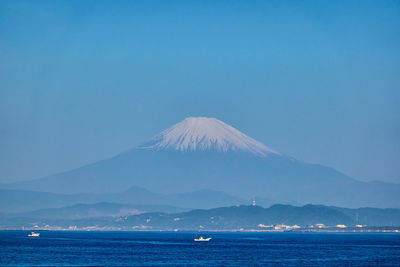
33,234
202,239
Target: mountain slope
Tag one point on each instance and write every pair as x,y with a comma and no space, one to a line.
204,153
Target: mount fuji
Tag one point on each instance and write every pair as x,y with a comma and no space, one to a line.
205,153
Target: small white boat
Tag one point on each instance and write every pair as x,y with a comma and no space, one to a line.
202,239
33,234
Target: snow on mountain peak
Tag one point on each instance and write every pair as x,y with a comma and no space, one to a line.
201,133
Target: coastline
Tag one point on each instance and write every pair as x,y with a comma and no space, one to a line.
306,230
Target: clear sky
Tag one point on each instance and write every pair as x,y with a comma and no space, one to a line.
81,81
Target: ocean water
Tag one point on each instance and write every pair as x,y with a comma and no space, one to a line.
57,248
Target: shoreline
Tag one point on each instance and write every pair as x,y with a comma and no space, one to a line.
396,230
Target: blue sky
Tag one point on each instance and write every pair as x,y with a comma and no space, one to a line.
81,81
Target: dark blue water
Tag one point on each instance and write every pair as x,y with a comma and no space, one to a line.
226,249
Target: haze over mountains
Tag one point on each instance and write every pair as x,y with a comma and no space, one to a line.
22,201
205,153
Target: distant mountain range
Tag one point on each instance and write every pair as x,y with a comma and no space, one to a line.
108,216
24,201
249,217
205,153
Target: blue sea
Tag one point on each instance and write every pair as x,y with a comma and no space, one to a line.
58,248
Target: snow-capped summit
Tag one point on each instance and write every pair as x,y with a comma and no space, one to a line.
201,133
